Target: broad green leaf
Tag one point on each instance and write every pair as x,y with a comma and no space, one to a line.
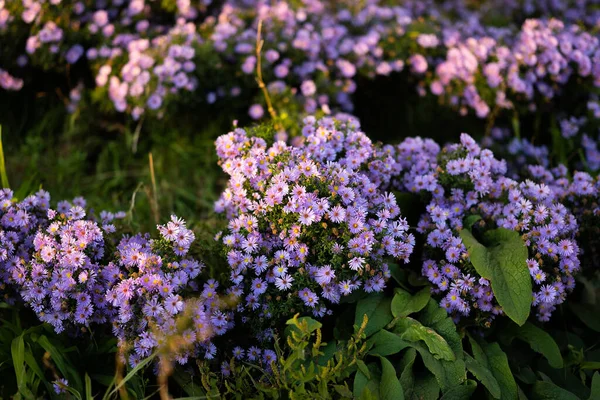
503,263
404,304
483,375
595,389
407,378
423,387
543,390
386,343
367,387
447,373
588,314
399,274
412,330
539,341
362,367
470,220
437,318
461,392
328,353
360,383
377,308
497,362
389,387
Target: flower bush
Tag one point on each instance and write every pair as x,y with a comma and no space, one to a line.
306,224
344,239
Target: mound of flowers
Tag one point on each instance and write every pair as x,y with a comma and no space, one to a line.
307,224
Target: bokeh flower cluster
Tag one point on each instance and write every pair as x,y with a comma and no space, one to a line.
145,54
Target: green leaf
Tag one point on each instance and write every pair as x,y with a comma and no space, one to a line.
142,364
503,263
88,388
539,340
483,375
389,387
593,365
588,314
403,304
543,390
377,308
328,353
470,220
497,362
399,274
447,373
307,323
65,368
343,391
386,343
461,392
424,387
412,330
437,318
407,378
362,367
34,366
366,387
595,389
17,352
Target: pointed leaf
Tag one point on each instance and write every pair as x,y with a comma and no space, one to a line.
483,375
461,392
498,364
17,352
588,314
595,392
404,304
447,373
503,263
377,308
411,330
539,341
390,387
386,343
543,390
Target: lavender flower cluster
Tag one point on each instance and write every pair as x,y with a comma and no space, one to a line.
58,263
464,180
148,295
497,69
142,54
307,224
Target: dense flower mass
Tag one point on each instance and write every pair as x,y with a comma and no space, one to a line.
464,180
151,277
307,224
311,225
56,262
144,54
